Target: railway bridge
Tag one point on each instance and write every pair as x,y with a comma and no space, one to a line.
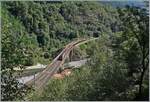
43,77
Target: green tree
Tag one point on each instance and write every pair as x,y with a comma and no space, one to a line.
135,33
13,55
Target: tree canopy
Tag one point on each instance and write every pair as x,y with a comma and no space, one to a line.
36,31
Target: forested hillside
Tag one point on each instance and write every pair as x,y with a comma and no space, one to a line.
35,31
53,24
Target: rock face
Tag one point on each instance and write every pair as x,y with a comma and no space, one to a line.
37,66
26,79
40,67
61,75
65,72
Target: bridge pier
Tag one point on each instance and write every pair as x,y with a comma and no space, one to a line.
70,55
60,70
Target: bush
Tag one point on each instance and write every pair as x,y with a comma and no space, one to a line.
46,55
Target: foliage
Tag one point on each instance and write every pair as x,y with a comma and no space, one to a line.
136,41
62,20
98,80
14,52
35,31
